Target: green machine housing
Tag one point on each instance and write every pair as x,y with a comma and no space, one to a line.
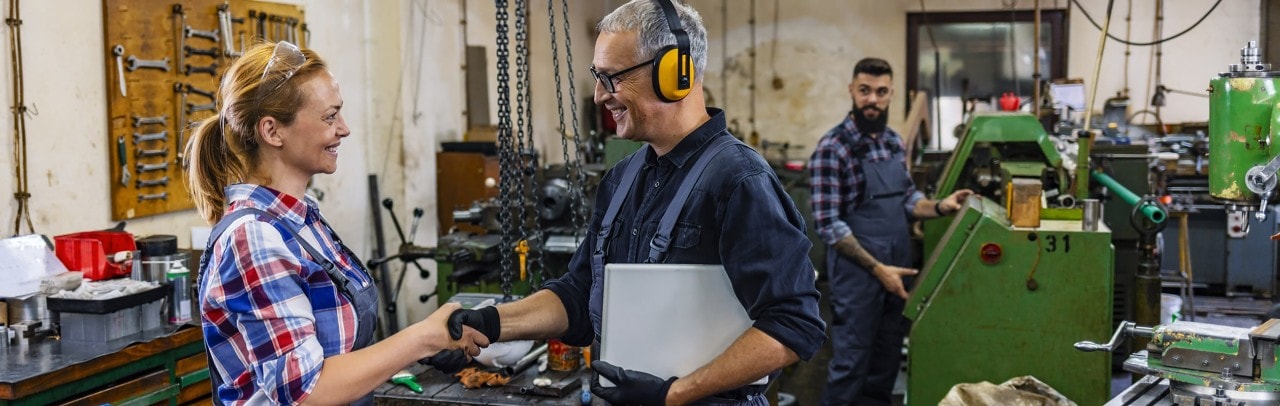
1244,126
991,290
988,289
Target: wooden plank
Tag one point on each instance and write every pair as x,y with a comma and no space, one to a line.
1024,202
917,125
148,383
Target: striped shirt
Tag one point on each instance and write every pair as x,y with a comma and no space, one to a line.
270,314
836,178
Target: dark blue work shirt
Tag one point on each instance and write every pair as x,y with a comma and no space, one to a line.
738,215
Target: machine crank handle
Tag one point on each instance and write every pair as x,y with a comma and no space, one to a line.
1125,330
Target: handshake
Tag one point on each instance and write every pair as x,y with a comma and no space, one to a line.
469,331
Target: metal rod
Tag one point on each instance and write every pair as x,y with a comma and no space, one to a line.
379,249
1035,61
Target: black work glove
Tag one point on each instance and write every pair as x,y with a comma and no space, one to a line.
448,361
484,320
633,387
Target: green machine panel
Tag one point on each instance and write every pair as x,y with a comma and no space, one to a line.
995,302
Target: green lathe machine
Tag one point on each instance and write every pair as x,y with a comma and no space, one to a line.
1202,364
996,282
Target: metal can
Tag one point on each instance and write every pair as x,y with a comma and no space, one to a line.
563,357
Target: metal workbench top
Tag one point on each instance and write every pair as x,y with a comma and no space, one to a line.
48,362
441,389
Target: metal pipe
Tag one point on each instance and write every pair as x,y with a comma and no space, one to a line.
525,362
1035,61
1151,212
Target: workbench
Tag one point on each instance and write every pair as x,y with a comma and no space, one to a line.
441,389
164,365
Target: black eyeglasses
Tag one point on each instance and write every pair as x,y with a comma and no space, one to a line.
607,80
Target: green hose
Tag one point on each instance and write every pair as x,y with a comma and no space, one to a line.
1150,211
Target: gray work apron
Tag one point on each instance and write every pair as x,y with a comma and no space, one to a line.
752,395
868,326
364,300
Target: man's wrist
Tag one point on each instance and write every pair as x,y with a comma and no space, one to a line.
937,208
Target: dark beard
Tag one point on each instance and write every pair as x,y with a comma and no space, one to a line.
870,126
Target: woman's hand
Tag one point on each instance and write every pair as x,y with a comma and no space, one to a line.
433,333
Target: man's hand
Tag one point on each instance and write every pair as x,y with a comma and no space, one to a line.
449,362
632,387
891,277
952,204
484,319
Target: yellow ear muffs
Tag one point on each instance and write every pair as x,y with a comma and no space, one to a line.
668,83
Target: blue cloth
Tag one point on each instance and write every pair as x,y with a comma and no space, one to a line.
739,216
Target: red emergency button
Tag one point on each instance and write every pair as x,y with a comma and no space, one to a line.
990,253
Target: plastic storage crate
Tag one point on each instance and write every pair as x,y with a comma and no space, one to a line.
101,321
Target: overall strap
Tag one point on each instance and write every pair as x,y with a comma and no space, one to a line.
338,278
662,239
629,174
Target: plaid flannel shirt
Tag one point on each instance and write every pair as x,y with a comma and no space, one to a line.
836,179
270,314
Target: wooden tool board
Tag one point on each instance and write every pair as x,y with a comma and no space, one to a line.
151,119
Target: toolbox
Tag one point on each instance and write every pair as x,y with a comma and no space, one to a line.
101,321
87,252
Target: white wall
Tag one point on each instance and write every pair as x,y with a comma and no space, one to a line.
818,42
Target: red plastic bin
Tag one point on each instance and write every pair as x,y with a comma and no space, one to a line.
87,252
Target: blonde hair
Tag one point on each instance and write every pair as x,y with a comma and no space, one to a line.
223,149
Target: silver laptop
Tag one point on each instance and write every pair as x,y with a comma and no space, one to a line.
668,319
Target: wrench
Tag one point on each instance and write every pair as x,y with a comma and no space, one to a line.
196,108
156,196
141,138
209,35
135,63
147,153
181,42
163,166
154,182
180,100
197,90
262,25
141,121
120,156
306,35
211,52
212,69
118,50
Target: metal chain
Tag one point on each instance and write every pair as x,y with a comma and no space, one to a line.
527,181
504,147
578,187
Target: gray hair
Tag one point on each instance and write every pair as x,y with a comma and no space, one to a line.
645,17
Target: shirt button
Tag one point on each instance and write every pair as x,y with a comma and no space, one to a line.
635,231
655,184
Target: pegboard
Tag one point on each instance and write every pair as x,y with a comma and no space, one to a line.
164,63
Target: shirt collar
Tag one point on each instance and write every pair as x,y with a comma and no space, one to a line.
693,142
272,201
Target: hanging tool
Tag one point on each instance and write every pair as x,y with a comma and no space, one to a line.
140,138
154,196
141,121
193,108
118,50
522,249
180,100
153,182
211,52
124,166
135,63
196,90
209,35
147,153
212,69
180,43
163,166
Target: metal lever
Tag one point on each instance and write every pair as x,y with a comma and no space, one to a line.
1126,329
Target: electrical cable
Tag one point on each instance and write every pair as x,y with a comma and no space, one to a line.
23,193
1143,44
